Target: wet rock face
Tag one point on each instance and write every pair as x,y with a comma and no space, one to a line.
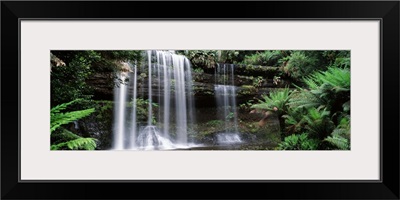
251,81
103,85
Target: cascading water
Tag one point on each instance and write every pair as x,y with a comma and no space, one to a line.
150,138
134,109
228,138
120,98
170,84
225,94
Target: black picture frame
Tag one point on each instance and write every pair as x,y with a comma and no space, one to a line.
386,11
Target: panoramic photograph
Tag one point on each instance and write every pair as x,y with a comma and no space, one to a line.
203,100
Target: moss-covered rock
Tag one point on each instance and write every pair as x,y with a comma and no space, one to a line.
257,70
247,90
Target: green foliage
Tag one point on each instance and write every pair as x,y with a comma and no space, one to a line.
342,63
265,58
346,107
303,98
228,56
203,58
327,89
337,58
142,106
57,118
247,90
256,70
317,108
76,144
337,79
294,121
257,81
230,116
70,140
318,122
276,80
275,101
338,141
102,107
246,106
340,137
298,142
314,109
198,74
300,65
102,128
214,123
70,82
198,70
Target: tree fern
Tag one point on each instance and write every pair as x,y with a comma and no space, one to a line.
324,88
318,122
294,121
275,100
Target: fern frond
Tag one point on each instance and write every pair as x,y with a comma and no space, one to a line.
294,124
318,122
342,62
63,106
80,143
58,119
298,142
276,99
305,99
338,141
346,106
340,137
337,78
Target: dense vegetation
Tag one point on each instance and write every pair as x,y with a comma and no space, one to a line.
310,96
71,93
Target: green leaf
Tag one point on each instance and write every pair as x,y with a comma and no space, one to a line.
58,119
80,143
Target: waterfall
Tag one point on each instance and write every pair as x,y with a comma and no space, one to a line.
169,85
150,116
228,138
180,99
167,80
225,94
120,98
134,109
